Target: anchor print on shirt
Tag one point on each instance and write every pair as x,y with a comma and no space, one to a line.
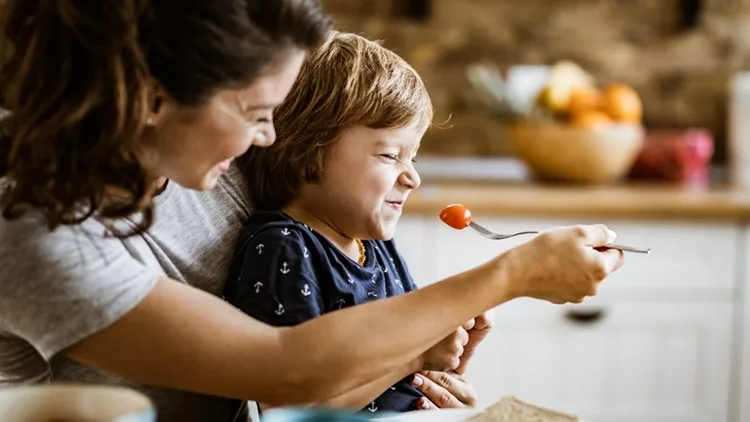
306,290
259,248
306,253
284,268
373,279
399,283
372,294
341,303
280,310
257,286
372,407
285,232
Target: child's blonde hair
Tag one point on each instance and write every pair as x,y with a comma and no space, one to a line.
349,81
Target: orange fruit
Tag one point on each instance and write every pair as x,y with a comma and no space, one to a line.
584,100
622,103
590,119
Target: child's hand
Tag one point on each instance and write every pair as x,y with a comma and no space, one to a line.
446,355
482,326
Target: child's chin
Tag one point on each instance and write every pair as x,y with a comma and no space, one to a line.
387,233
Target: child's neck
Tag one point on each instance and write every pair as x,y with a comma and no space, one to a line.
323,225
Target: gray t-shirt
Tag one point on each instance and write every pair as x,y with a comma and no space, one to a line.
57,288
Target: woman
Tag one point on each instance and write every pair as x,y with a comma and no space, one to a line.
121,196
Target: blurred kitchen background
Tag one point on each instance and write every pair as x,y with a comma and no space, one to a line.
681,56
627,112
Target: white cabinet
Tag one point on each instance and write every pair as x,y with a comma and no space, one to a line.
664,349
647,362
410,241
742,396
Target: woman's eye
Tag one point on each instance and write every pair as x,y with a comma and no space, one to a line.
257,117
414,161
389,157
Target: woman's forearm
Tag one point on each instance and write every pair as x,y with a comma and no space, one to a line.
365,341
183,338
363,395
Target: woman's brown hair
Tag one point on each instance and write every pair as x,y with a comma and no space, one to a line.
78,76
349,81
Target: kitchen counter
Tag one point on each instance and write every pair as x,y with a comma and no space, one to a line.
632,202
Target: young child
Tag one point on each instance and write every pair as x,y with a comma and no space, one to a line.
330,191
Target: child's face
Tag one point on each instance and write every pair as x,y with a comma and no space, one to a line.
366,180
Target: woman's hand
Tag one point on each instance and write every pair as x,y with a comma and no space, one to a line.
561,265
444,390
446,355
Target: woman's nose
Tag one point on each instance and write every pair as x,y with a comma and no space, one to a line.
265,136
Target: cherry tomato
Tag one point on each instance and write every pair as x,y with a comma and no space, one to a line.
456,216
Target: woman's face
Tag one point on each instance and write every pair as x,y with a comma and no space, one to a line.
193,146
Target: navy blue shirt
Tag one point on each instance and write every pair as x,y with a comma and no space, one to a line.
284,273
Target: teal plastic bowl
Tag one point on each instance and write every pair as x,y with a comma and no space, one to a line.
314,415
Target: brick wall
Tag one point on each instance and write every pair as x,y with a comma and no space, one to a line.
679,61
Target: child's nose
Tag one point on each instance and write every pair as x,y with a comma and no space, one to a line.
411,179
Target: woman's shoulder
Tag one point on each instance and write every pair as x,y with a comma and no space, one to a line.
77,279
29,248
30,230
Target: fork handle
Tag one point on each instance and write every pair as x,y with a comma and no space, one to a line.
627,249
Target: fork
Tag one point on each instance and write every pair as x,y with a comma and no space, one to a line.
489,234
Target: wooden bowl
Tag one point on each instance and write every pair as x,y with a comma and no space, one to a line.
71,402
556,152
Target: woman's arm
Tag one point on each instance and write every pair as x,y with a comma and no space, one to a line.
447,353
184,338
363,395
